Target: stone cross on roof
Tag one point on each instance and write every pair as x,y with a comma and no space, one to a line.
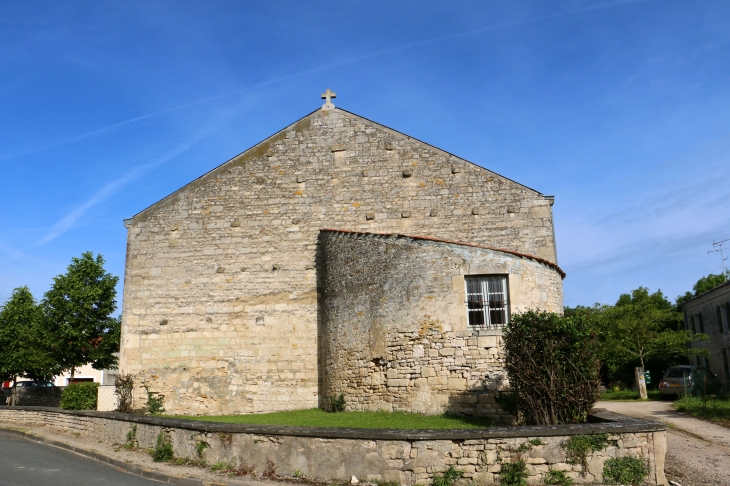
327,95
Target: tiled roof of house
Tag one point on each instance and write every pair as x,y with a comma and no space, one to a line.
439,240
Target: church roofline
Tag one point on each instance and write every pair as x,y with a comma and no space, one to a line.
445,152
128,221
439,240
219,166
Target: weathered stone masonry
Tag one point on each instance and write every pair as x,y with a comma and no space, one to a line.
220,299
405,456
394,327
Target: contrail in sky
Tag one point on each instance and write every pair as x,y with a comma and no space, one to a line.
63,224
99,131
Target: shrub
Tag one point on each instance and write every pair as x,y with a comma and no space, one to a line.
448,477
625,470
80,396
553,368
514,473
200,447
163,449
337,404
578,447
131,438
557,478
155,401
123,388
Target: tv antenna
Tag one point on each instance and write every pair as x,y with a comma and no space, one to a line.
721,250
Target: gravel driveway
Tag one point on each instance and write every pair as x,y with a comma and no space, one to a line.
698,452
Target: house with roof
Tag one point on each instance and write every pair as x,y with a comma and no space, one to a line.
709,313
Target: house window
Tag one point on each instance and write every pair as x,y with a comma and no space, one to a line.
725,362
700,324
719,318
487,301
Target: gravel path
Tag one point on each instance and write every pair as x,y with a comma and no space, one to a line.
698,452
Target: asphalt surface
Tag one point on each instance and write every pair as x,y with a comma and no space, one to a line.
27,463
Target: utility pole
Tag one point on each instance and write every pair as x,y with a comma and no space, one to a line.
721,250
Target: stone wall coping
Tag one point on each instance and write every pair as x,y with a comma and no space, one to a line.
395,236
600,421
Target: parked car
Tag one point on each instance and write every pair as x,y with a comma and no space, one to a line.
689,379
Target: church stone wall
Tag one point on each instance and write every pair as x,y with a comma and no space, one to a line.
394,328
220,296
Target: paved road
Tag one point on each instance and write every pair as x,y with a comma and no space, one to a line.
698,452
26,463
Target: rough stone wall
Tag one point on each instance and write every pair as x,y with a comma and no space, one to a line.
716,326
406,460
42,396
220,299
395,335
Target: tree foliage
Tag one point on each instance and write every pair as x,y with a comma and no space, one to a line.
704,284
642,329
643,325
709,282
553,367
77,310
25,343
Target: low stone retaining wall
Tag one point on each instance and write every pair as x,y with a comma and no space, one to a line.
404,456
38,396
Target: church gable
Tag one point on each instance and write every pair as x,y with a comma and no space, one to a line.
344,147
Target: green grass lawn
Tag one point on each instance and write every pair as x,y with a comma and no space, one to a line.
715,410
629,395
315,417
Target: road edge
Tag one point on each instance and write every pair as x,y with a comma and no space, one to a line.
124,466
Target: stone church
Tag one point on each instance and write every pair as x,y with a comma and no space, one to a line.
336,256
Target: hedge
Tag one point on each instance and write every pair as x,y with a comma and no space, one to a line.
80,396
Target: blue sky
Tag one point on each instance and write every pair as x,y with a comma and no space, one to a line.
621,109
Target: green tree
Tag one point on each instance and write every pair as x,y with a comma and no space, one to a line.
705,284
709,282
643,325
25,343
78,310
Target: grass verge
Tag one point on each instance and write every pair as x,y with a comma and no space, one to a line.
315,417
628,395
713,409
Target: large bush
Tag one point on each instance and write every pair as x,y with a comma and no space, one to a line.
553,368
80,396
